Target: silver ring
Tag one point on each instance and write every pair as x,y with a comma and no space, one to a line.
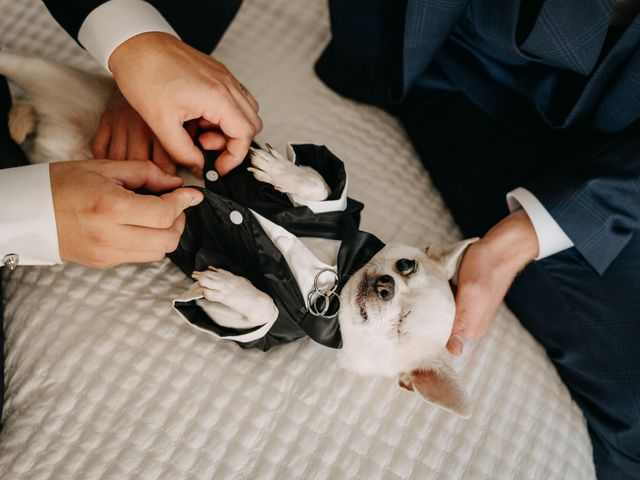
317,293
335,279
313,303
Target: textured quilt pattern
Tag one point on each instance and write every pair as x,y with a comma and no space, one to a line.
105,381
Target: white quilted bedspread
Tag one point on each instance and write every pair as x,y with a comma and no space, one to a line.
104,381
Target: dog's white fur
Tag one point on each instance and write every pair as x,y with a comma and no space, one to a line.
403,336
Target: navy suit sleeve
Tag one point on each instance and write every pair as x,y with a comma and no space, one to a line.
200,23
596,198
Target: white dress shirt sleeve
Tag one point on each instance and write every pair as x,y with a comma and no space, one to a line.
551,238
27,219
116,21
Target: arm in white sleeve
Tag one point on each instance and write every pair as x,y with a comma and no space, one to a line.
551,238
115,22
27,219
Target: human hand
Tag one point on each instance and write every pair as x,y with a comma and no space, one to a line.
123,135
486,273
101,222
170,83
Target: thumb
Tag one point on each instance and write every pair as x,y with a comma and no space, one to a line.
183,198
455,345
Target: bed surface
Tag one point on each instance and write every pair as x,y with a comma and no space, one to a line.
104,380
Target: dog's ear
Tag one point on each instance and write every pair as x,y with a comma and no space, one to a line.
439,386
449,257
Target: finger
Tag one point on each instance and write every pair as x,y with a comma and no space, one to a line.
118,145
139,144
212,140
134,175
100,142
178,143
243,102
135,256
250,98
156,240
153,211
162,159
206,124
238,130
192,128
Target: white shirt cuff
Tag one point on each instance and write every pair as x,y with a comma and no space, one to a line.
115,22
27,218
551,238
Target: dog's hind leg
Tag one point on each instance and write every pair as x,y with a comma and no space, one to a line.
67,103
22,121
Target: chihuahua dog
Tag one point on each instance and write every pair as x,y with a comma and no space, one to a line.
395,313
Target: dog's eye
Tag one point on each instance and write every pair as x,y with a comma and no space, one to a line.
404,266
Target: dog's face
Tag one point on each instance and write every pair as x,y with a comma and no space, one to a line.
396,316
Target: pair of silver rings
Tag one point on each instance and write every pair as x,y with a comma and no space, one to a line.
320,299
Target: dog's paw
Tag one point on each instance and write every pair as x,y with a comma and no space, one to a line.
240,298
272,167
22,121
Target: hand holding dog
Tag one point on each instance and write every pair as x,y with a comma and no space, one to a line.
169,83
101,222
486,273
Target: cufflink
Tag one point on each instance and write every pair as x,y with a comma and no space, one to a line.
11,260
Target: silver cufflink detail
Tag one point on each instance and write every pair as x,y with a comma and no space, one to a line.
11,260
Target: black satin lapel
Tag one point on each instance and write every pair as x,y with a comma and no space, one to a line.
356,250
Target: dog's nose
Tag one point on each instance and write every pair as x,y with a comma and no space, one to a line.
385,287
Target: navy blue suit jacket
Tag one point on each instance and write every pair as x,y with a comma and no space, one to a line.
555,63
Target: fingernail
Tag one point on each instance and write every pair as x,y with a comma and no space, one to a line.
195,200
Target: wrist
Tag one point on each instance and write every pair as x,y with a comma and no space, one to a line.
135,48
513,240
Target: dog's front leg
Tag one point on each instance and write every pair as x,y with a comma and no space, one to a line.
303,183
232,301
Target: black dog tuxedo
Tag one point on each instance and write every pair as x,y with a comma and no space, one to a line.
223,232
